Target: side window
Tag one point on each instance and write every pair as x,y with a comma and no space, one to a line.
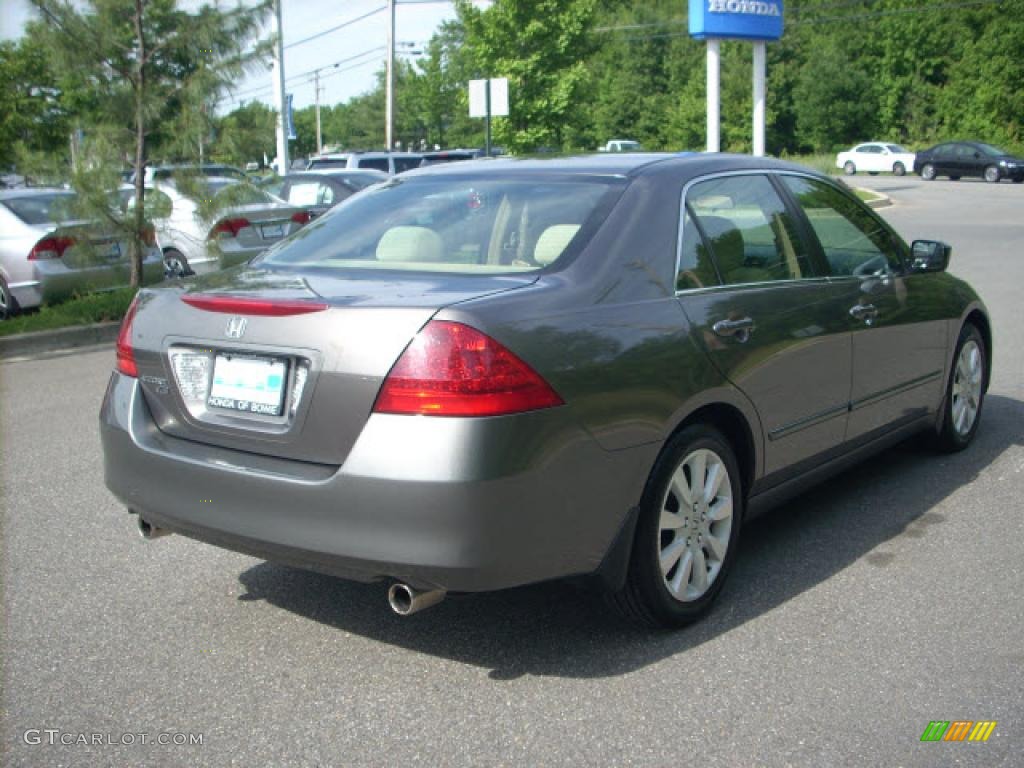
303,192
854,241
406,163
157,205
696,269
377,163
751,234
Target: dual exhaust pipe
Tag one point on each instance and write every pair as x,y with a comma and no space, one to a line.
403,599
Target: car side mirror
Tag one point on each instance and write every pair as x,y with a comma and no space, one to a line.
930,256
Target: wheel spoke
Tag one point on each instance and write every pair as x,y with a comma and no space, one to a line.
671,554
714,481
698,469
670,520
681,488
682,577
699,579
716,546
720,510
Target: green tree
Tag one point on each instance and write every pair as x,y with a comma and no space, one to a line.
541,46
31,113
154,72
245,134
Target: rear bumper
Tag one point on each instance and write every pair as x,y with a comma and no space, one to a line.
54,281
458,504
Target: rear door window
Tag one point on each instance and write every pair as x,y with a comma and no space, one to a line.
751,234
406,163
376,163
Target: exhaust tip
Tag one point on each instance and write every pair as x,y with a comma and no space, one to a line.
405,600
149,531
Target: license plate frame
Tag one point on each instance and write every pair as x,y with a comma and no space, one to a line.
269,231
248,384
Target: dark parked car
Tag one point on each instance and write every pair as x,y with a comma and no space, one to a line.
969,158
318,191
482,375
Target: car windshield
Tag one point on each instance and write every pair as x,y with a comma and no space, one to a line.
991,151
451,225
42,209
897,149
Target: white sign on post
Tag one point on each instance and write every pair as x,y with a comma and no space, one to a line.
478,97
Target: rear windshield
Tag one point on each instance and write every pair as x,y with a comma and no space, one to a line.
328,162
42,209
455,226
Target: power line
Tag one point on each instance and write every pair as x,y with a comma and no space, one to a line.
343,24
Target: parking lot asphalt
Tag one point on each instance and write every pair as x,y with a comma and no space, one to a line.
857,614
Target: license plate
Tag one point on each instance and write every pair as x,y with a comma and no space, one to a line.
248,384
272,230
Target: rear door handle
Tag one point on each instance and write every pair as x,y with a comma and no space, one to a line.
741,328
865,312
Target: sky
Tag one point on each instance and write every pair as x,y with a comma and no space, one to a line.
361,46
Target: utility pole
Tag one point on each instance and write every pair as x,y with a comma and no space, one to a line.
316,90
389,107
280,100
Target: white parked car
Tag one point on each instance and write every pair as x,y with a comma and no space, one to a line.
249,220
876,157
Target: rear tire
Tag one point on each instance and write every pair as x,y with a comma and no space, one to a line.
849,168
928,172
899,169
992,174
685,542
175,264
954,178
8,306
965,392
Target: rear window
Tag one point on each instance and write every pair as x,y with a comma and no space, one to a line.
42,209
454,226
376,163
328,162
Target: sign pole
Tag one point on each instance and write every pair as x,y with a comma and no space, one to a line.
714,111
487,142
760,57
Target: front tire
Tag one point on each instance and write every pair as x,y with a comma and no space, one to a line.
928,172
899,169
992,174
849,168
965,392
687,533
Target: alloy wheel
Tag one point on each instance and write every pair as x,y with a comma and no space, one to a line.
991,174
928,172
695,525
967,384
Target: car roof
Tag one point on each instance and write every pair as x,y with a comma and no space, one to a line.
604,164
336,171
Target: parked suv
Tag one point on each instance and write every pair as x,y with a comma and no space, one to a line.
389,162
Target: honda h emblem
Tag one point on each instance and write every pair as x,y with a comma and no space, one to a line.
236,327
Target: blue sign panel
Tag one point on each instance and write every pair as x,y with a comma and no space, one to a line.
744,19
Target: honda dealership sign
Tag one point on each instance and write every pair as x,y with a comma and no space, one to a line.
743,19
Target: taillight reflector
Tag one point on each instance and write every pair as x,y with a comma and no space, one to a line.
236,305
125,351
50,248
451,369
229,227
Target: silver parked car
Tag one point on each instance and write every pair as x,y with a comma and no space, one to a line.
247,221
48,255
481,375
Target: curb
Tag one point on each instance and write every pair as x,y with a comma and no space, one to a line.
26,344
882,201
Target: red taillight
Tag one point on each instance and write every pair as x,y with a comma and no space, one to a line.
301,217
50,248
149,235
235,305
229,227
450,369
125,351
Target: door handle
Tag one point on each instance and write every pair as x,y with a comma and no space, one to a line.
741,328
865,312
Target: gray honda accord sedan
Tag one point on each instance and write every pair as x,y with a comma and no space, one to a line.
477,376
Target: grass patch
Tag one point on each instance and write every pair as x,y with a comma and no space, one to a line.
867,195
81,310
821,163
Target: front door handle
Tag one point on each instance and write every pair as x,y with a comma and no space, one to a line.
741,328
865,312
